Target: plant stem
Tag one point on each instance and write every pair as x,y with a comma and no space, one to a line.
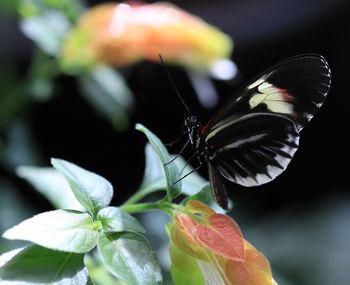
141,193
164,206
141,207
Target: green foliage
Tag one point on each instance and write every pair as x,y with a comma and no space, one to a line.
171,171
47,30
98,271
115,220
130,257
63,230
71,9
65,235
184,269
9,6
39,265
70,234
153,177
161,176
193,186
93,191
52,185
42,72
106,90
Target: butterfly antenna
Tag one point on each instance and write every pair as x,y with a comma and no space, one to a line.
173,84
144,98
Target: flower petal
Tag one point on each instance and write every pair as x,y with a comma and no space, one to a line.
255,270
198,208
182,237
223,237
122,34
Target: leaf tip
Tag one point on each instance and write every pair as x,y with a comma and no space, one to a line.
54,161
20,171
59,163
139,127
8,234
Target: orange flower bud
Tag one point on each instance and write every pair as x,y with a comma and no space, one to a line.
122,34
215,243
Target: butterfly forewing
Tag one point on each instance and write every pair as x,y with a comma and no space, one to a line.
294,88
253,149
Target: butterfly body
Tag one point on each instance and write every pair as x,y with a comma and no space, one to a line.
253,136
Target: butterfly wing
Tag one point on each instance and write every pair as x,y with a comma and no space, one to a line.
250,150
252,138
294,88
218,186
253,149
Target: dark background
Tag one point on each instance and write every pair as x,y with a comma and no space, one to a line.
264,33
302,214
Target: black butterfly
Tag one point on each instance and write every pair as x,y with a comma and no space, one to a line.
252,137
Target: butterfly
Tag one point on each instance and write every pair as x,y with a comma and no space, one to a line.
253,136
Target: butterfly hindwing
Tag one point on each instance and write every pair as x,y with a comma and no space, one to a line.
252,149
218,187
294,88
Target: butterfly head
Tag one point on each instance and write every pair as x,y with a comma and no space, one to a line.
192,126
191,121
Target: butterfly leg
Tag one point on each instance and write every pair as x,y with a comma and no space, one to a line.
187,174
187,162
181,151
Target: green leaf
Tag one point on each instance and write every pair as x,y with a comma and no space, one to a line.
7,256
205,195
47,30
38,265
171,171
129,257
93,191
63,230
99,273
51,184
184,268
108,93
114,219
153,176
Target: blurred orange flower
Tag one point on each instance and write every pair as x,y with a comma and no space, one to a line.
122,34
213,245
